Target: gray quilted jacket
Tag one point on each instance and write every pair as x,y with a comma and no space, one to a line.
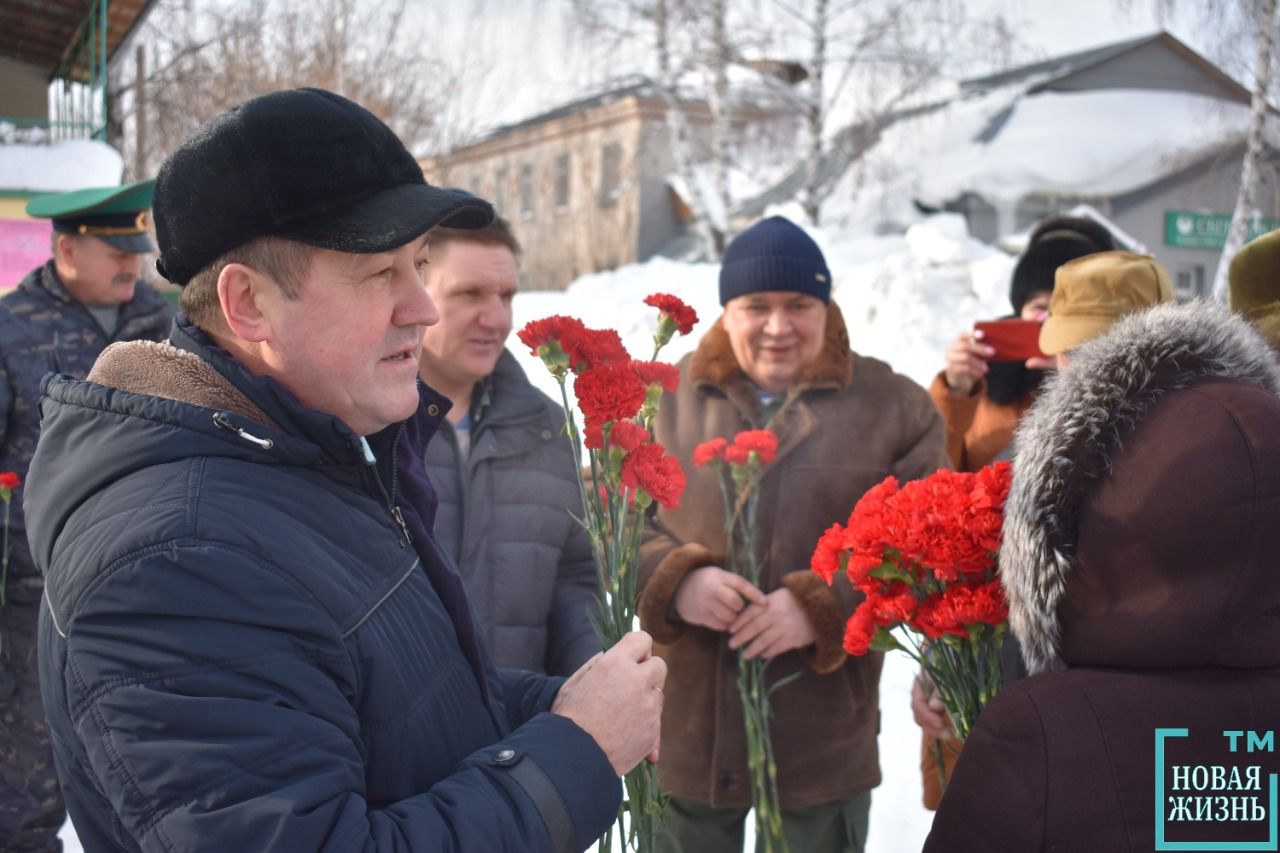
504,517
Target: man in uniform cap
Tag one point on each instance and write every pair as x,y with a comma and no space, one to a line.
58,319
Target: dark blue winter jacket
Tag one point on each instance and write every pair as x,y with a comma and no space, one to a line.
252,643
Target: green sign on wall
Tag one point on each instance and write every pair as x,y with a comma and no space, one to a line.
1187,229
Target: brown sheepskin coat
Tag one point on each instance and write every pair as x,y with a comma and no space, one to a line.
848,423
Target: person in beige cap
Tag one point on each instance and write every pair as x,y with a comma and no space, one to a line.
1253,285
1092,292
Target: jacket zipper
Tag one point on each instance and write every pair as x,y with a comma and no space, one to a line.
397,516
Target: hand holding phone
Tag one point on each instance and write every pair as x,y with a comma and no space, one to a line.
1011,340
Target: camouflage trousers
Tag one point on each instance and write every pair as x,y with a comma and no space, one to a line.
31,808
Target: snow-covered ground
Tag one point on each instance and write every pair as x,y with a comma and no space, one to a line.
904,298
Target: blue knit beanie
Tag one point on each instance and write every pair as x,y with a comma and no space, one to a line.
774,254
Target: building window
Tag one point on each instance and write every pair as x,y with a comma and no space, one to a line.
610,173
562,182
526,191
477,185
1189,282
500,191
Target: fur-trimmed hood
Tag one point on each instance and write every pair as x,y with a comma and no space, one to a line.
1142,527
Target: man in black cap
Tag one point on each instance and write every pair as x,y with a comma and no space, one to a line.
58,319
251,640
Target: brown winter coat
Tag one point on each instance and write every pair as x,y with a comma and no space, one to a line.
1140,561
977,429
847,424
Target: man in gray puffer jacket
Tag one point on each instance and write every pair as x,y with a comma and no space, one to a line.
503,471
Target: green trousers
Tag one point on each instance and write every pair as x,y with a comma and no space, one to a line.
695,827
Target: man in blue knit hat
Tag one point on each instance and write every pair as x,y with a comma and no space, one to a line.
58,319
778,359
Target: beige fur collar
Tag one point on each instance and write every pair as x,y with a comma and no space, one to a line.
163,370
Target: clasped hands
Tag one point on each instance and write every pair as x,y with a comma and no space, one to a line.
763,625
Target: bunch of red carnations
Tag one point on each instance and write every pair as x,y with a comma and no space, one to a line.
746,457
618,398
924,555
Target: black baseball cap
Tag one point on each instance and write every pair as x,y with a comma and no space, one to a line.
306,165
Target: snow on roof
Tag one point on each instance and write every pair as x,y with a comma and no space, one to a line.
1097,143
69,164
1003,145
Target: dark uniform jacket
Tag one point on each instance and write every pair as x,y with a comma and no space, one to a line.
507,516
251,641
44,329
1140,558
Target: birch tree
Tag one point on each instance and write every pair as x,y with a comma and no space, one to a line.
1245,209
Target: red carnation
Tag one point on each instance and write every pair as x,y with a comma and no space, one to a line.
628,435
684,317
649,468
709,451
9,480
761,441
860,630
593,437
924,555
591,348
826,557
541,333
658,373
736,454
609,392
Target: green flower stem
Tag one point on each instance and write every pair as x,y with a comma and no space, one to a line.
615,533
964,671
753,690
941,764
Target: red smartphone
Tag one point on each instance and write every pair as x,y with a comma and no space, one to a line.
1013,340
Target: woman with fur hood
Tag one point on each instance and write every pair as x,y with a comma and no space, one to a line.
1140,562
